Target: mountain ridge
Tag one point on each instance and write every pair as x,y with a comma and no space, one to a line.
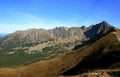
39,44
61,34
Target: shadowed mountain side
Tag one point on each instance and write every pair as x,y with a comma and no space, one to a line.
95,32
105,53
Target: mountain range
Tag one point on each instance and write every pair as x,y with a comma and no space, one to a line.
60,51
67,37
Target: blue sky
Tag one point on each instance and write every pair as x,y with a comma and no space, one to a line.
25,14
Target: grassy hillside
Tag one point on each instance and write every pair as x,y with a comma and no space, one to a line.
107,45
20,58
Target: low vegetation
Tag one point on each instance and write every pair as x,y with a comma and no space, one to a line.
20,58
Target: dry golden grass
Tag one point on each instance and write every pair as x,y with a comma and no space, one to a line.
11,72
49,68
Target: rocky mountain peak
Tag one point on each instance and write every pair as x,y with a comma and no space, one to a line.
105,27
98,30
59,32
83,27
105,23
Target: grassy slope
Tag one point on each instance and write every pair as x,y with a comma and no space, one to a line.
47,68
56,66
20,58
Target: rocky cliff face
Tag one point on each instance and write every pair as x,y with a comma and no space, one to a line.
98,29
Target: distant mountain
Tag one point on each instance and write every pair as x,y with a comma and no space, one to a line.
102,54
59,33
69,37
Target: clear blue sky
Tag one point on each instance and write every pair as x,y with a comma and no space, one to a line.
25,14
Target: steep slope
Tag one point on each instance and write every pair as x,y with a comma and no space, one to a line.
91,55
104,54
94,31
